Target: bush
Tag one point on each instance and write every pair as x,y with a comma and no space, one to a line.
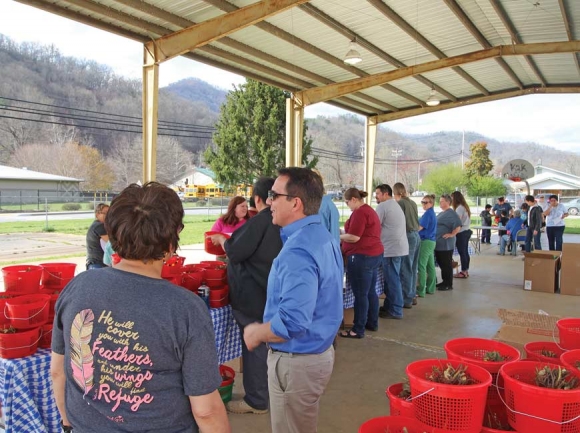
48,229
71,206
90,206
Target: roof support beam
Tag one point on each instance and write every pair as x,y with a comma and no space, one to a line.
201,34
296,41
381,118
414,33
468,24
321,94
568,30
500,11
346,32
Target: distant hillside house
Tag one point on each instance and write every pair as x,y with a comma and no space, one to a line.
196,176
19,185
551,181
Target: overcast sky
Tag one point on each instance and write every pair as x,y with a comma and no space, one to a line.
552,120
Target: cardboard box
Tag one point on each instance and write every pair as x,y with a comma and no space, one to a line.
521,327
541,271
348,318
570,270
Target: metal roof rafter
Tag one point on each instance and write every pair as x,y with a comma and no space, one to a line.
567,25
468,24
321,94
302,44
500,11
381,118
345,31
414,33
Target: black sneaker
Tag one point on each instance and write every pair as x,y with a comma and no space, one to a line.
386,315
441,284
408,306
445,288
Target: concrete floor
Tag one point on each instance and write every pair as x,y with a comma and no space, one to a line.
365,368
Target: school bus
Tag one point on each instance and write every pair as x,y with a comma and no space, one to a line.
214,191
244,190
194,192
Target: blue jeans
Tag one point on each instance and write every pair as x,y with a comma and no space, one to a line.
537,242
555,235
362,274
505,240
409,267
462,245
393,290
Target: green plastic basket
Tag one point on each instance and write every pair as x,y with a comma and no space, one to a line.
226,392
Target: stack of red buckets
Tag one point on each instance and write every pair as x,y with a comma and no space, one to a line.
209,273
504,396
27,306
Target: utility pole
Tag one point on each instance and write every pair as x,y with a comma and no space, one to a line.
463,150
419,171
396,153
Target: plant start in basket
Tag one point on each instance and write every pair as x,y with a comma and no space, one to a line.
555,378
9,330
494,356
406,391
450,376
492,421
577,365
548,353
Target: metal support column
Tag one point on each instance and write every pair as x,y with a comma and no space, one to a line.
369,157
150,106
294,131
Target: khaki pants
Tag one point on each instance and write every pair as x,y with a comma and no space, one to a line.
296,383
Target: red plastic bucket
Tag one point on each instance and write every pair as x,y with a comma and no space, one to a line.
391,424
172,267
442,408
3,319
569,330
215,277
571,360
214,264
534,351
46,337
20,344
28,311
191,281
473,350
228,375
218,298
535,409
22,279
210,248
398,406
57,275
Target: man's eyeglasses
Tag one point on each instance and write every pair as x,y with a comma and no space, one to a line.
273,195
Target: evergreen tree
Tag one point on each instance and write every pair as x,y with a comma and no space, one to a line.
250,135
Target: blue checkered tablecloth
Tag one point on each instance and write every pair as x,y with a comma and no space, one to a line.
228,340
26,394
348,295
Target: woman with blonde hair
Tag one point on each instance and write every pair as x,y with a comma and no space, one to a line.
361,245
234,218
461,207
427,233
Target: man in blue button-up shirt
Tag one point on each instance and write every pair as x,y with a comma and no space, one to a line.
304,304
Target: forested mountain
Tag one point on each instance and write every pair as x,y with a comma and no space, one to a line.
48,101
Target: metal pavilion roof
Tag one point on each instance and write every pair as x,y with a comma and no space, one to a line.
468,51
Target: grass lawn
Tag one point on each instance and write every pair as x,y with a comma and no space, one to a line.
195,227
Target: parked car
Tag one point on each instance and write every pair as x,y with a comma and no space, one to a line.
419,194
573,206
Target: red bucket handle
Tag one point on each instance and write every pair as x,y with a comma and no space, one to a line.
25,318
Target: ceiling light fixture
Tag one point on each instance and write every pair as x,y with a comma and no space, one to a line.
432,100
353,56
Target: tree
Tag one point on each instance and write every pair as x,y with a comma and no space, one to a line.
479,163
444,179
485,186
250,135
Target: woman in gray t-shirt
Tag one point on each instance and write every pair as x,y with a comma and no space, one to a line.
448,225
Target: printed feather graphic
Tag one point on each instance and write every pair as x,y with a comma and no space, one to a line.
81,357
